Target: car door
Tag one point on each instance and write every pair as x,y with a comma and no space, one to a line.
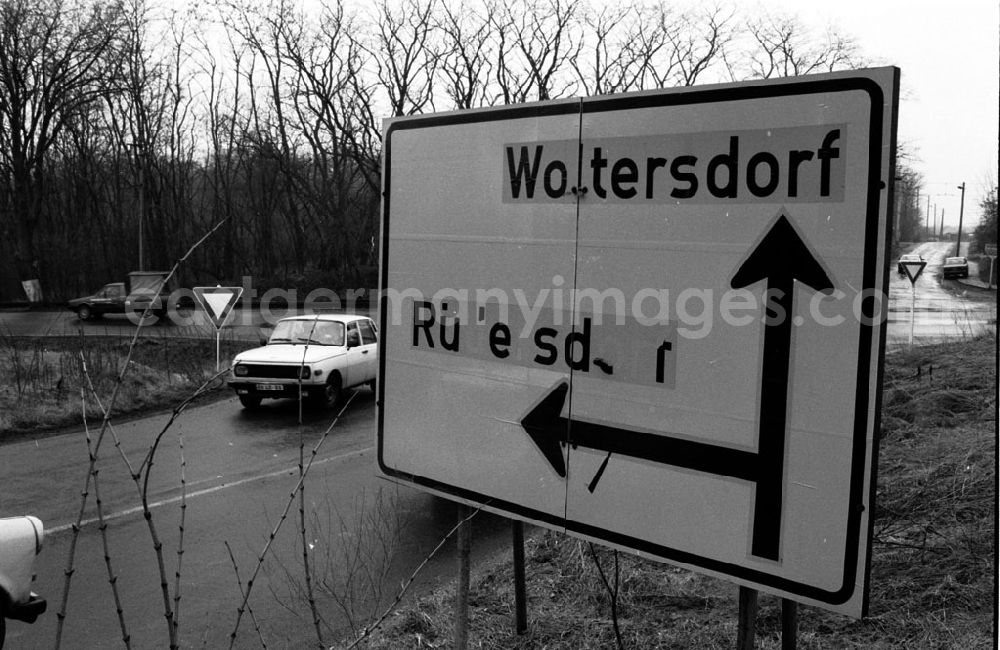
356,356
103,299
115,294
369,345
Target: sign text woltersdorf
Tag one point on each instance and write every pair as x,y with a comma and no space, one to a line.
774,165
513,374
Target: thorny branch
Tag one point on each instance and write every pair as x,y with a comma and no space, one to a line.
95,454
281,520
612,591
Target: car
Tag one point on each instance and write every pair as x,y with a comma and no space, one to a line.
110,299
20,541
142,289
955,267
903,259
320,355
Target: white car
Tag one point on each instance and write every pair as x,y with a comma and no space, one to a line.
20,541
317,356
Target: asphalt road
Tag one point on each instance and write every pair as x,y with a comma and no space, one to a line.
239,470
940,313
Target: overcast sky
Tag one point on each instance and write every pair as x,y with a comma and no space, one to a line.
949,57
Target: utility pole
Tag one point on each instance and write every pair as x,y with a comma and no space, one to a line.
142,204
141,164
941,227
961,210
927,218
895,214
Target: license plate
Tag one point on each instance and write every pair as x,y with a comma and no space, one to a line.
270,387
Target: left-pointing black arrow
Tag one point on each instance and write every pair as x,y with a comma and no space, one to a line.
549,431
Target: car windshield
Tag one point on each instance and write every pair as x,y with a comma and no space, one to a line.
954,260
317,332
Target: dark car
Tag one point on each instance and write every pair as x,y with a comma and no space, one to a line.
908,258
144,289
955,267
109,300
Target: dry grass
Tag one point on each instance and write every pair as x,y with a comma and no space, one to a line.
40,378
933,555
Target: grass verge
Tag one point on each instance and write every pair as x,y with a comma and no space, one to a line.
932,573
41,378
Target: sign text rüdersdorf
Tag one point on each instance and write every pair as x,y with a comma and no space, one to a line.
788,165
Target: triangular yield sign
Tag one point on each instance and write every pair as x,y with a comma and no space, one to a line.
913,270
218,302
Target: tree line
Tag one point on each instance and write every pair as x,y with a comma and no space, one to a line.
128,121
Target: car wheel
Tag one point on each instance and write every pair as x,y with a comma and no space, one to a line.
83,312
331,393
250,402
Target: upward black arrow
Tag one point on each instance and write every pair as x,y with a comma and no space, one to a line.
781,258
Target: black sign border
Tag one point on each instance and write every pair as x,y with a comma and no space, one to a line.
864,386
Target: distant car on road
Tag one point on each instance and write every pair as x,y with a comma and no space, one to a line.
955,267
320,354
20,541
144,288
903,259
110,299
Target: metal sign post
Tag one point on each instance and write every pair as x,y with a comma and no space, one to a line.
520,595
913,271
464,571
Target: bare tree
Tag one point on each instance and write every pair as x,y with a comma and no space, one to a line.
536,40
784,47
616,50
465,57
687,44
404,54
55,58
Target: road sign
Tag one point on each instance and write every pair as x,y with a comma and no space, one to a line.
913,269
652,320
218,302
990,249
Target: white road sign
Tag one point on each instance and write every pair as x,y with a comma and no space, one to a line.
218,302
913,269
653,320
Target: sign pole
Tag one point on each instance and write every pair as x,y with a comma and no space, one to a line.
217,332
913,269
462,595
520,597
747,619
789,624
913,300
